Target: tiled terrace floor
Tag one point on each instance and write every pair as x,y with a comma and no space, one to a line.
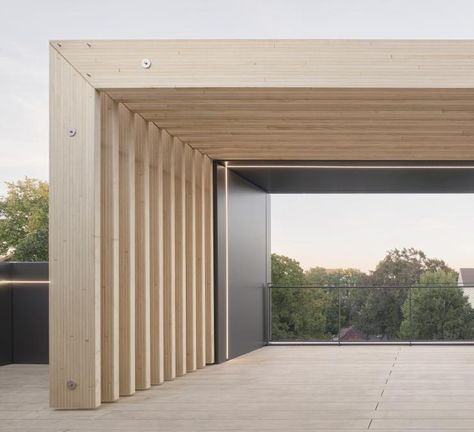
280,388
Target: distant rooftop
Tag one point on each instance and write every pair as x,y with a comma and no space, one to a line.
466,275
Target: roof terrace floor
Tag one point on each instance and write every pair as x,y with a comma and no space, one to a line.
277,388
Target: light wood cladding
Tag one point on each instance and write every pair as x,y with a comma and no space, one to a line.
127,251
208,257
169,245
180,260
190,259
200,261
109,253
274,63
314,124
295,99
156,255
142,256
74,239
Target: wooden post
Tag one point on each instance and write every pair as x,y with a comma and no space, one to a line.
156,254
142,256
180,260
209,259
74,242
200,261
169,294
127,251
109,214
190,260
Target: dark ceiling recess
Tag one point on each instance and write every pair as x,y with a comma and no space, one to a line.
358,177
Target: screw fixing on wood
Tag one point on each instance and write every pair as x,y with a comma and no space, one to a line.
146,63
71,132
71,385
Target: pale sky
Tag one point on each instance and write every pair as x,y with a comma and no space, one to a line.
355,230
27,25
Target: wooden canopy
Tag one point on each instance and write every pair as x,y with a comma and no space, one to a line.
135,126
294,99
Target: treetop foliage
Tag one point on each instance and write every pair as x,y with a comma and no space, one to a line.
405,267
286,271
394,303
24,220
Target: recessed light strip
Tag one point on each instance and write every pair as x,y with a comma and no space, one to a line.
435,167
20,282
226,205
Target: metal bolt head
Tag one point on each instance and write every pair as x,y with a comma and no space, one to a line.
146,63
71,385
71,132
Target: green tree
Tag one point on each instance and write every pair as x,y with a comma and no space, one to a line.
24,220
297,313
376,310
441,313
286,271
379,310
348,297
336,277
405,267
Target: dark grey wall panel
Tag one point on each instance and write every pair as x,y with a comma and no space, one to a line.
219,264
268,255
24,313
29,271
30,324
6,353
248,261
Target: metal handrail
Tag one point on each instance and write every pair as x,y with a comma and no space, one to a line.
413,285
409,287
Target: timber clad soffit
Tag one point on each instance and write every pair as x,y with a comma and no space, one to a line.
294,99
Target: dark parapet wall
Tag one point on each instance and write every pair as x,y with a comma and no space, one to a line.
29,271
24,313
6,354
30,324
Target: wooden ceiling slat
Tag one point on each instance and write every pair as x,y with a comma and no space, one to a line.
170,95
309,116
313,123
447,130
284,106
281,124
334,141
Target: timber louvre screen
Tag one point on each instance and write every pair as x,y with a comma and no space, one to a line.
120,318
122,213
